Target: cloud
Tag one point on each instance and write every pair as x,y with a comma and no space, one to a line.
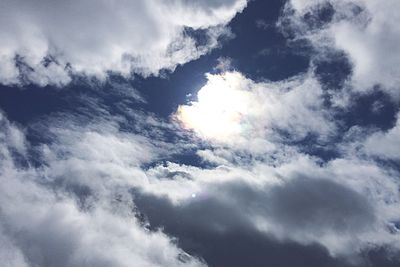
86,186
224,64
255,131
384,144
232,109
83,193
50,229
47,42
319,204
51,216
347,206
10,255
367,31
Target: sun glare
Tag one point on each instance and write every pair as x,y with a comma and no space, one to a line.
217,113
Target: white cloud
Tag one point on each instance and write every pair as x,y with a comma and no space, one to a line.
385,145
231,109
52,216
10,255
366,30
372,44
45,42
50,229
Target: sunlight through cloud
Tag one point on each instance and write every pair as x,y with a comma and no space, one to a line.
218,112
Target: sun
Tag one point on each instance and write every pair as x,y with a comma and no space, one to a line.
218,112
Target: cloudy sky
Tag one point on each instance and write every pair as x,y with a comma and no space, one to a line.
225,133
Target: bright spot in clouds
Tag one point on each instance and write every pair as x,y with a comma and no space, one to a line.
218,112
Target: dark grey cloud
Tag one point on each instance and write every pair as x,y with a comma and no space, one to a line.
220,225
317,205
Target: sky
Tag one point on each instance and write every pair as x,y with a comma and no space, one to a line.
193,133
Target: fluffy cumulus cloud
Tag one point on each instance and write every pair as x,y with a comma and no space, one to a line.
46,42
366,30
